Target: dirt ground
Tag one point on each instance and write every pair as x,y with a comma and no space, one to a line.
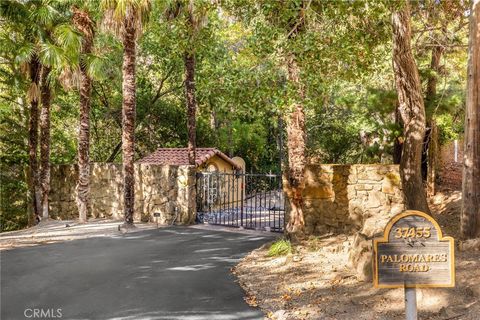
51,231
315,282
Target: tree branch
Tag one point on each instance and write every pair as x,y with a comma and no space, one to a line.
114,152
11,100
160,87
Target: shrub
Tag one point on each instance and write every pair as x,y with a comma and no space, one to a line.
280,247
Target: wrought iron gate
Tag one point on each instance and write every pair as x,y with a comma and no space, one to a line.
251,201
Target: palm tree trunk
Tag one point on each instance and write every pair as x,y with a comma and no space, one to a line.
33,178
191,105
128,115
83,184
412,111
45,98
296,138
470,217
82,22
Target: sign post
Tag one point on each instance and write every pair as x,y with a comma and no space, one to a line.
412,254
411,303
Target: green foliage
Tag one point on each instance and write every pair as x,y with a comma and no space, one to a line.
13,161
449,128
280,247
343,50
13,198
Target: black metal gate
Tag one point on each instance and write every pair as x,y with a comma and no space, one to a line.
251,201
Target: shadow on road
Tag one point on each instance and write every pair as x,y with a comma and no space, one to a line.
167,273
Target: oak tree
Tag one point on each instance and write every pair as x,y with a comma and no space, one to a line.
411,108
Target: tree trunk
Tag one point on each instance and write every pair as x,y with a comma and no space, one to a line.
45,98
84,24
398,143
432,158
470,217
432,139
33,177
411,109
114,152
296,138
432,81
83,184
128,114
191,105
280,131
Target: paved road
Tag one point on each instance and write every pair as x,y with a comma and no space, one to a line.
171,273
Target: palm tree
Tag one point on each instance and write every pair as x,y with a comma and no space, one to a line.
17,16
189,58
193,17
83,23
46,99
33,178
58,46
126,18
45,40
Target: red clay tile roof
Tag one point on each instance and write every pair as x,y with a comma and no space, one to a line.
179,156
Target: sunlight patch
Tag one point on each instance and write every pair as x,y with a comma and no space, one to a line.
196,267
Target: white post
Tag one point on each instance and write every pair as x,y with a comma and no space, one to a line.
456,150
410,303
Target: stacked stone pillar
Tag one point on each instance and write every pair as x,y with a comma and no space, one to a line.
166,189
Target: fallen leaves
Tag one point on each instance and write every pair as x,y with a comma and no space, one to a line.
251,300
286,297
321,286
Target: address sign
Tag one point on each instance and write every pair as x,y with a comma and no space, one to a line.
413,253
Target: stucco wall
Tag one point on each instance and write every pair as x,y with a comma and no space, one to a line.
351,198
227,185
169,190
220,164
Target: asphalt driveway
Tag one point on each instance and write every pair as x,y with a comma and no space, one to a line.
168,273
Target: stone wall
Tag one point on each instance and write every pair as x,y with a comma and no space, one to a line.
168,190
354,199
351,198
